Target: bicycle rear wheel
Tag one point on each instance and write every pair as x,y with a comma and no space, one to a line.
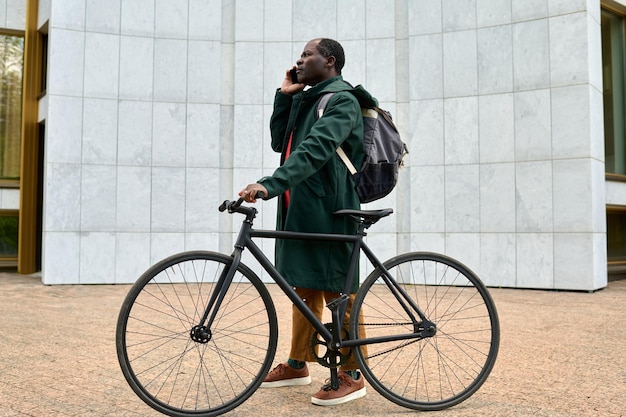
177,375
435,372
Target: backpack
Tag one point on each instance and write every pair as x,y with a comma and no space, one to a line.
384,149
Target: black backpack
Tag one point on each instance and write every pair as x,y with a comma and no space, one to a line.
384,149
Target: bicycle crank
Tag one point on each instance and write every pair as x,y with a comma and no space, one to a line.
331,358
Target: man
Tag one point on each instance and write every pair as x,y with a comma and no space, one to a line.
311,184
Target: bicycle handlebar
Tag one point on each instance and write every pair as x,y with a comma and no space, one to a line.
233,206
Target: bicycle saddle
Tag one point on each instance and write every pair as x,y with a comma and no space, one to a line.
370,216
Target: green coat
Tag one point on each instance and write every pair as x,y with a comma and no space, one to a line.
318,181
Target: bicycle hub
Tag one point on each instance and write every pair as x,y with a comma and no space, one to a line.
200,334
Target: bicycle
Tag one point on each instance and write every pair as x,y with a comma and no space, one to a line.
197,333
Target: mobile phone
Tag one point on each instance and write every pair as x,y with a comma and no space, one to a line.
294,76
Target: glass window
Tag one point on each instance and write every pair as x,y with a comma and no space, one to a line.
613,55
11,69
8,234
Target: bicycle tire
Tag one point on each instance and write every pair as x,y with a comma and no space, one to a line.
431,373
165,367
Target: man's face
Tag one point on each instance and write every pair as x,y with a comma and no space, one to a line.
312,66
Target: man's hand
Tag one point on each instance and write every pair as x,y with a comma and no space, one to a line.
288,86
249,194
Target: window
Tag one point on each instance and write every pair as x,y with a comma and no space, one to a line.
11,69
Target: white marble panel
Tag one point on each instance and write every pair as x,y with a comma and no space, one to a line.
557,7
426,144
3,13
134,195
461,130
171,19
380,19
64,125
62,197
459,15
68,14
248,78
493,12
203,135
498,259
43,12
201,200
248,21
60,258
574,260
600,270
203,79
66,58
103,16
571,124
248,136
168,200
425,17
460,64
572,195
168,137
381,62
464,247
615,193
98,198
599,197
595,54
428,242
593,8
136,67
277,20
534,210
163,245
277,59
348,11
383,245
533,139
529,9
137,18
497,197
15,14
203,241
462,192
205,19
132,256
9,199
99,131
355,71
496,128
535,260
170,70
569,51
427,188
97,258
531,55
134,146
426,66
495,60
312,19
102,54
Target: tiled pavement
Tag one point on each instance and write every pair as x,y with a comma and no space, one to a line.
562,354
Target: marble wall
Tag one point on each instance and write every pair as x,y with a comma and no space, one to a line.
158,110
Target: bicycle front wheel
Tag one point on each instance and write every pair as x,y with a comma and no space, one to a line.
181,375
430,373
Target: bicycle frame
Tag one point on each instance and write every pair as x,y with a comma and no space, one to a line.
423,327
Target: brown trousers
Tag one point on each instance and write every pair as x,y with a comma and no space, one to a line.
302,330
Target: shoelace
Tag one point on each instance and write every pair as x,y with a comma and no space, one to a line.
343,379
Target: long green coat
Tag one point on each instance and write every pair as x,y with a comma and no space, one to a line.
318,181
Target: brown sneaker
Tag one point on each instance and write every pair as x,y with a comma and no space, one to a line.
284,376
349,389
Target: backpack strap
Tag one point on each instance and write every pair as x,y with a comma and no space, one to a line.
321,106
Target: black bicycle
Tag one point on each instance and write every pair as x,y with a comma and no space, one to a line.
197,332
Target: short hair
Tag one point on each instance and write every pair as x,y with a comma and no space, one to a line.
329,47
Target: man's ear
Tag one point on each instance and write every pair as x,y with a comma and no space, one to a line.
330,61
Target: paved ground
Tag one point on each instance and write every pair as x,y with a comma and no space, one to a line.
562,354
